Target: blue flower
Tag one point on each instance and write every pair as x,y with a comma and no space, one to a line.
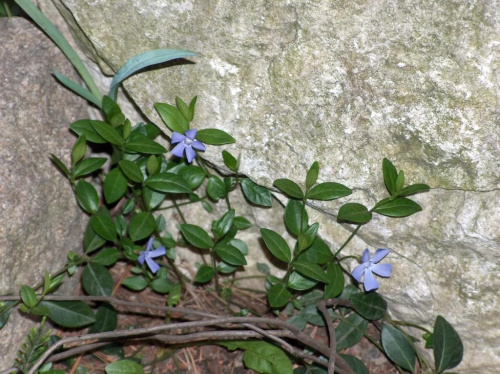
151,253
186,143
369,266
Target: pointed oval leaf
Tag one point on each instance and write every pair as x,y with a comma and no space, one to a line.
87,196
296,217
299,282
336,281
399,207
223,224
142,144
276,245
328,191
311,270
230,161
103,225
205,274
256,194
193,175
306,238
97,280
390,175
92,241
398,348
278,296
60,164
135,283
214,137
370,305
312,174
196,236
289,187
215,188
84,127
106,319
318,252
448,347
172,117
231,255
70,314
88,166
141,226
413,189
354,212
356,365
131,170
107,132
168,183
115,185
124,367
28,296
107,256
350,331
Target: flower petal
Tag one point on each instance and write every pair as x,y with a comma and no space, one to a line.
150,244
160,251
379,255
198,145
370,282
191,134
152,265
177,137
383,270
178,150
366,256
358,271
142,257
190,154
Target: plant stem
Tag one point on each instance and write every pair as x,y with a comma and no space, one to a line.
348,240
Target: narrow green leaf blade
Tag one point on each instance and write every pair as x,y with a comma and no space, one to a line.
399,207
214,137
336,282
79,90
115,185
312,174
296,217
390,175
398,348
28,296
413,189
328,191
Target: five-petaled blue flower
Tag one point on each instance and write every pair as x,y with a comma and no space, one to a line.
369,266
151,253
186,143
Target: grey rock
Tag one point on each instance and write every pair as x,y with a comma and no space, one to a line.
348,83
40,221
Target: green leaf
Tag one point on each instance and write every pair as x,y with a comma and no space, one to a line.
262,357
263,268
296,217
356,365
399,207
84,127
398,348
350,331
214,137
172,117
107,257
79,149
152,199
205,274
88,166
183,108
328,191
103,225
276,245
413,189
124,367
241,223
390,175
5,311
141,226
87,197
231,255
223,224
289,187
336,281
121,225
115,185
370,305
448,347
76,88
174,295
256,194
153,165
196,236
131,171
318,252
107,132
193,175
230,161
192,106
106,319
161,285
312,174
168,183
306,238
28,296
278,296
311,270
70,314
60,165
92,241
354,212
97,280
135,283
215,188
142,144
299,282
400,181
144,60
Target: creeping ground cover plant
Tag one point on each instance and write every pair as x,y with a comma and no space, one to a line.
126,190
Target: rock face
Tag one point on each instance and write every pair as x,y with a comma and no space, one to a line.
348,83
40,221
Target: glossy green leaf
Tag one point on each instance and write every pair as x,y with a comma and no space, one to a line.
88,166
241,223
79,149
107,132
60,165
106,319
193,175
215,188
87,196
370,305
223,224
172,117
448,347
131,171
390,175
153,165
350,331
5,310
354,212
413,189
168,183
28,296
84,127
142,144
161,285
312,174
111,109
263,268
97,280
278,296
103,224
174,295
311,270
141,226
289,187
318,252
184,109
120,224
328,191
296,218
70,314
398,348
107,256
336,281
196,236
307,237
152,198
230,161
300,283
356,365
276,245
400,181
399,207
256,194
135,283
92,241
144,60
205,274
115,185
214,137
124,367
231,255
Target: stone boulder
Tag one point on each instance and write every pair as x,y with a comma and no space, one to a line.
40,221
347,83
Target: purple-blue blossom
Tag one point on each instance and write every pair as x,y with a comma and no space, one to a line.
369,266
187,143
151,253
